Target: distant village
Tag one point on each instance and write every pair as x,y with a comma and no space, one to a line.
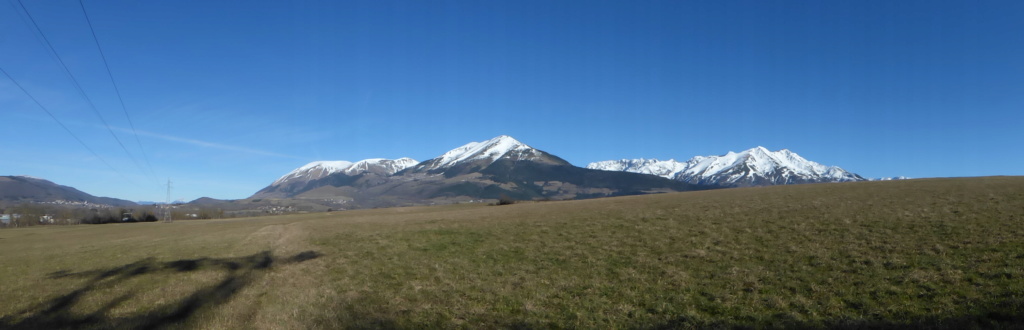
65,212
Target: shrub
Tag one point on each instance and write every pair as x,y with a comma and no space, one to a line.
505,200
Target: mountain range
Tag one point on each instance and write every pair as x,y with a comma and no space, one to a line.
499,167
753,167
504,166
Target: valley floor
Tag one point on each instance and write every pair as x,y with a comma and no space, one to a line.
932,253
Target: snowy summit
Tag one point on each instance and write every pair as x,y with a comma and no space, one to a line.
488,151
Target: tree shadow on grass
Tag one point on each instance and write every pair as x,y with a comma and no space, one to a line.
57,313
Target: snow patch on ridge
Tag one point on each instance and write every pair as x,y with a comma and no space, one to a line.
319,169
662,168
388,165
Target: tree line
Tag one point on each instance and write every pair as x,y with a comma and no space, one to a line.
30,214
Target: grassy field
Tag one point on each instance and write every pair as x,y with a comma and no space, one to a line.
934,253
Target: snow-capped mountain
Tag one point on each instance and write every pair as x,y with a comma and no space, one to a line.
752,167
321,169
498,167
479,155
320,173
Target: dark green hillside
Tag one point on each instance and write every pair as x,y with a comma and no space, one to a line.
22,189
626,182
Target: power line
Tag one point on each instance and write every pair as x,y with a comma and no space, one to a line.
116,89
61,123
77,85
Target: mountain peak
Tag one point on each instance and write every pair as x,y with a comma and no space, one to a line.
492,150
478,155
759,150
504,138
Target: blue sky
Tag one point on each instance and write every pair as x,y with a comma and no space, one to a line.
225,97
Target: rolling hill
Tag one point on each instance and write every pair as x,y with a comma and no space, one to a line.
26,189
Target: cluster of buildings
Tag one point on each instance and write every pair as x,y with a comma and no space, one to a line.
76,203
12,219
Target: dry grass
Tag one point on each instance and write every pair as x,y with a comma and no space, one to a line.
944,253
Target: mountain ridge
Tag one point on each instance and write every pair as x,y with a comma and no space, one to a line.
501,166
319,169
308,176
27,189
751,167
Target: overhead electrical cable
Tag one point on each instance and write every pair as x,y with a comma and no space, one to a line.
61,124
78,86
117,90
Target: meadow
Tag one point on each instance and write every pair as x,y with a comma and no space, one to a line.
929,253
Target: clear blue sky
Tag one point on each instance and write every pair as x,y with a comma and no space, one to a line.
227,96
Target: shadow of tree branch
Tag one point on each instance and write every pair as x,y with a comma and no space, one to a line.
57,313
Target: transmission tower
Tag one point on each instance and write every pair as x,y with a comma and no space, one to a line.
167,204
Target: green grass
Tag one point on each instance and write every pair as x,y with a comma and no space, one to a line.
936,253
